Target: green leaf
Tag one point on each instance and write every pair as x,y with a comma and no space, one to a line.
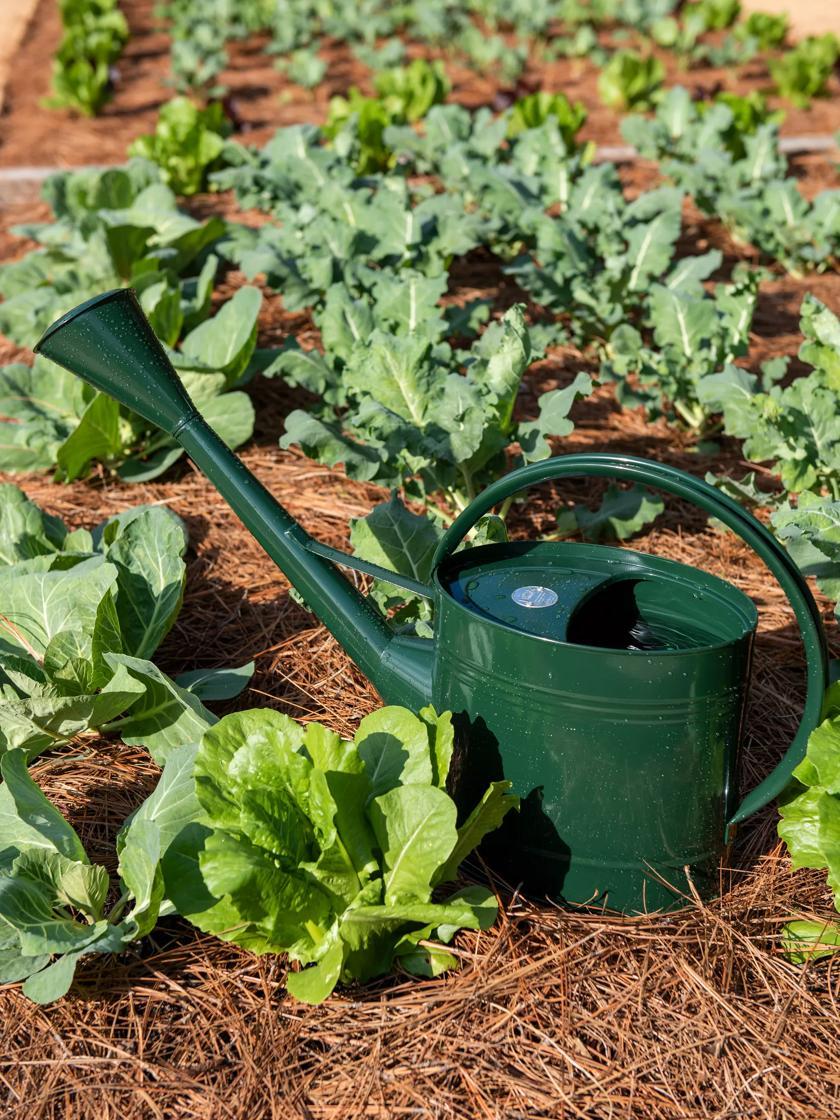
485,818
621,514
165,717
393,744
226,342
28,820
315,983
99,435
148,554
217,684
415,827
395,538
805,941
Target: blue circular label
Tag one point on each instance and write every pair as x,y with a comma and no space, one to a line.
534,596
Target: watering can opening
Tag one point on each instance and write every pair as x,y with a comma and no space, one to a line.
598,598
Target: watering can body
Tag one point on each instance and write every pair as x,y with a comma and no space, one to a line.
607,685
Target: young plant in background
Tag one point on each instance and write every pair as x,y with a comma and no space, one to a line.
794,427
537,108
630,81
356,124
94,34
803,72
187,144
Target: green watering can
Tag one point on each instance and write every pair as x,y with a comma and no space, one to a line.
609,686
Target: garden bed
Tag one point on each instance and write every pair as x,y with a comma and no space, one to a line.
553,1013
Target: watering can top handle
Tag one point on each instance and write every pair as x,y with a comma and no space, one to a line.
748,528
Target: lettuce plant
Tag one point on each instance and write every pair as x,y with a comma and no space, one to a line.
802,73
629,81
810,826
94,33
187,144
337,853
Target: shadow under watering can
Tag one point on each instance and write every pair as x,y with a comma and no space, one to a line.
608,685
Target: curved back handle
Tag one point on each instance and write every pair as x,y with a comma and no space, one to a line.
631,469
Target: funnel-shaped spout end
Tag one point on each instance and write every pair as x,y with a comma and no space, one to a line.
107,341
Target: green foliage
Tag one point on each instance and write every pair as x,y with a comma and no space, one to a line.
409,92
630,81
596,263
767,29
796,427
329,850
93,35
694,336
810,826
802,73
404,94
537,108
187,144
305,67
739,178
621,514
51,418
111,227
80,615
53,900
716,15
198,55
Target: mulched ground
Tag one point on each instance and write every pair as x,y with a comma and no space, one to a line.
554,1014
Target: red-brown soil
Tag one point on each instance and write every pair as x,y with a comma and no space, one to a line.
262,99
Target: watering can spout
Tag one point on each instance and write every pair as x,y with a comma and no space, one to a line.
108,342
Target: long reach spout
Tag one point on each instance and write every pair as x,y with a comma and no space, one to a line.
108,342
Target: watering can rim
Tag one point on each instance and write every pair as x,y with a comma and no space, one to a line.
730,591
80,309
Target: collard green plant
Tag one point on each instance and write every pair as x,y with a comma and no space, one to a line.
598,260
796,427
81,614
330,851
198,55
187,144
93,35
54,907
50,418
738,176
113,227
694,335
408,417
